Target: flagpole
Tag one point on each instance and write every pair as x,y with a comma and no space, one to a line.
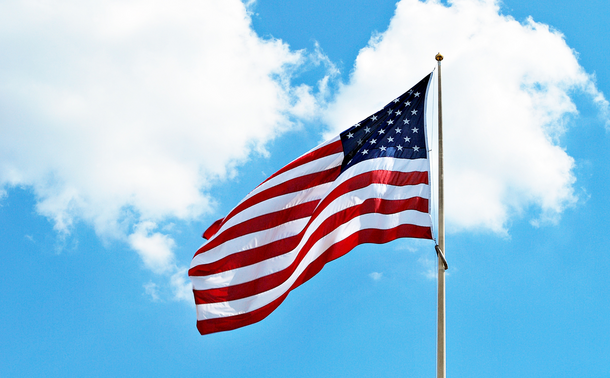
442,263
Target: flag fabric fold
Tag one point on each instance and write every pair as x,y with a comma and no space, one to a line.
370,184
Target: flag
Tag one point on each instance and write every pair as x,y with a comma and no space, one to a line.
370,184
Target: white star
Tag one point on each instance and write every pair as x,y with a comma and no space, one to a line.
406,121
415,148
373,141
399,148
367,129
360,142
382,148
364,152
407,139
407,103
415,130
414,111
390,111
381,131
357,125
398,112
374,118
390,122
416,94
396,100
410,91
398,130
390,139
350,135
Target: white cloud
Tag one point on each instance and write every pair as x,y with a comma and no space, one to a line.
120,111
156,249
506,100
376,276
152,290
157,252
123,113
430,268
181,286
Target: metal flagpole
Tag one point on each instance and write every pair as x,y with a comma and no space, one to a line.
440,248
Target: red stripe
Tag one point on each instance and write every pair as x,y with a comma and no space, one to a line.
213,229
365,179
295,185
235,260
248,257
259,285
329,149
335,251
357,182
266,221
237,321
370,235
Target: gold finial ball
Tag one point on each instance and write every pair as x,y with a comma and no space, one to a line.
438,57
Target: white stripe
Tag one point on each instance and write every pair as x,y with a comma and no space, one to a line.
386,163
270,266
367,221
288,229
311,167
249,241
314,166
256,239
232,246
279,203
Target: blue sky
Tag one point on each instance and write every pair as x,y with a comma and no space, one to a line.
128,127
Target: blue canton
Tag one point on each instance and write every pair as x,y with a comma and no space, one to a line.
395,131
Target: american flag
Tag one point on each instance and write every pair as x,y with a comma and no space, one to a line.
368,185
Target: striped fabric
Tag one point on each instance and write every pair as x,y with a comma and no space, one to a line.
314,210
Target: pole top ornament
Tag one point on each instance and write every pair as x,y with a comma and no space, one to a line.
438,57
